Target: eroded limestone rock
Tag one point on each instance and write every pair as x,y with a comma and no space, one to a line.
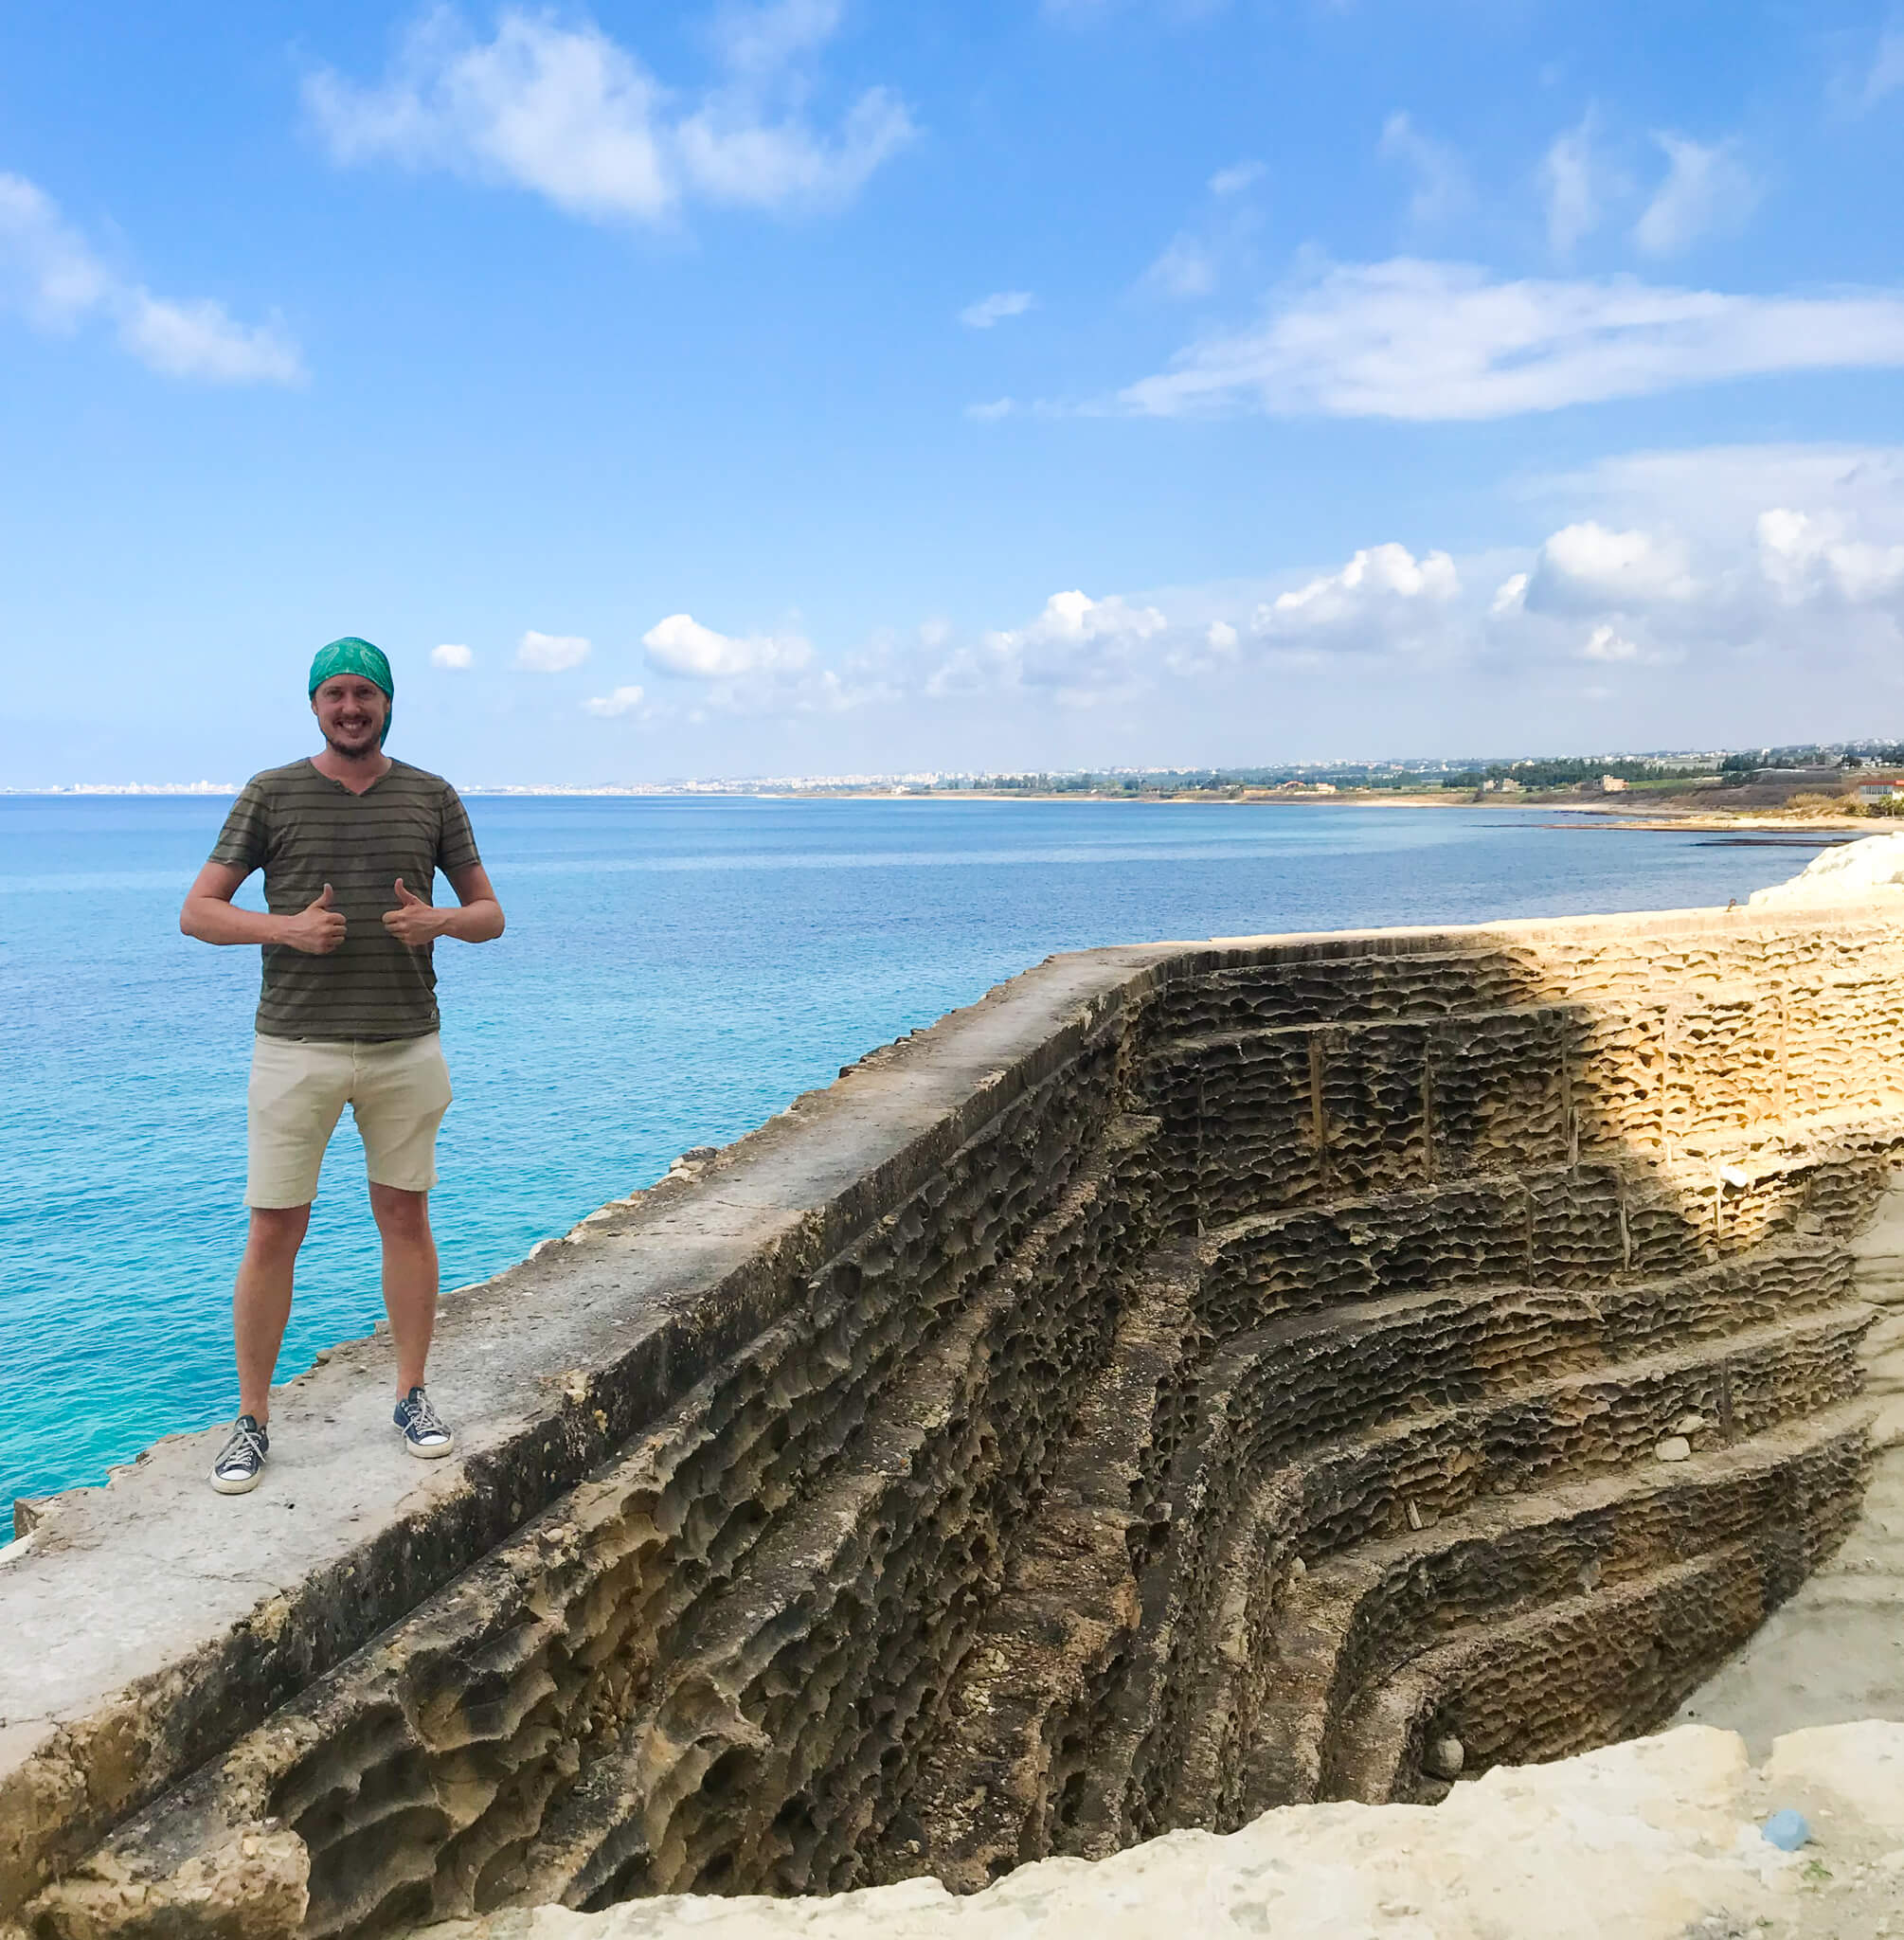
1094,1418
1654,1840
1869,871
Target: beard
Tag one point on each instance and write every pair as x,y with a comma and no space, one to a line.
353,746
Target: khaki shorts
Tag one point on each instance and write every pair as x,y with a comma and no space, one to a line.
299,1085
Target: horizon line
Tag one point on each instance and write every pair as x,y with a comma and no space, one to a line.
1396,764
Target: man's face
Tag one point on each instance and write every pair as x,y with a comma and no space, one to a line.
351,712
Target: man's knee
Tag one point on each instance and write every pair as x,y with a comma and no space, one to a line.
400,1214
277,1229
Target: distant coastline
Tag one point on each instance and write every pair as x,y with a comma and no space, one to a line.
1827,800
1597,814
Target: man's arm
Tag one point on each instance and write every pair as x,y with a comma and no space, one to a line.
210,915
477,921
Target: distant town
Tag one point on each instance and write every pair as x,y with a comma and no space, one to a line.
1810,780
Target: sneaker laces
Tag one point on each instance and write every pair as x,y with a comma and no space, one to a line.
426,1423
244,1448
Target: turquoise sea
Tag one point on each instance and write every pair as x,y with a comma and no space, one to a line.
676,969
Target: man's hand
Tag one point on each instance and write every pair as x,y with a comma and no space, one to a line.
316,930
413,920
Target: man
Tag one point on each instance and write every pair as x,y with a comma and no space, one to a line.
349,843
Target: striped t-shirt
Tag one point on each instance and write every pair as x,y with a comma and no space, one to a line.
305,830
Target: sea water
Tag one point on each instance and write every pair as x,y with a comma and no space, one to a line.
676,969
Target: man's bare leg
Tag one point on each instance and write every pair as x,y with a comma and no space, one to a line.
410,1277
262,1304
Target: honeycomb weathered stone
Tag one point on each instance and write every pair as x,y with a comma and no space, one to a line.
1267,1390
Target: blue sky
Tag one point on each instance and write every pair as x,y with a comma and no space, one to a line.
831,385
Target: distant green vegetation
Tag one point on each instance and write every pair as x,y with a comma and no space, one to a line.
1388,776
1656,774
1738,769
1572,773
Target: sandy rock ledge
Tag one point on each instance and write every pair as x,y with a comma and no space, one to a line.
1869,872
1654,1840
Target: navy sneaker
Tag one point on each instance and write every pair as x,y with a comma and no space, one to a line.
241,1462
425,1432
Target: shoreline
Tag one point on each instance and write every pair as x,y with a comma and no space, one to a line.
1828,829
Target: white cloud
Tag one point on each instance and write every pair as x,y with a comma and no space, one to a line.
550,653
1686,583
1569,175
201,340
51,276
623,701
54,281
990,414
1441,182
1602,643
1714,493
1420,340
451,656
569,114
1098,651
1186,268
1216,244
761,42
1887,70
996,307
1686,565
1086,652
1075,617
712,674
1707,189
1510,597
1383,595
1080,649
1798,546
1726,554
566,114
1234,180
731,156
681,645
1807,556
1586,567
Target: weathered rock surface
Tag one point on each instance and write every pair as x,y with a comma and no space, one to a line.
1654,1840
1869,871
1197,1380
1837,1649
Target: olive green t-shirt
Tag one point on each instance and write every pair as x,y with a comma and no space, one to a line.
305,830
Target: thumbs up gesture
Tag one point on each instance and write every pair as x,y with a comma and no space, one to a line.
413,920
318,929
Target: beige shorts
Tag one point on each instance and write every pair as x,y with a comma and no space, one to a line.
299,1085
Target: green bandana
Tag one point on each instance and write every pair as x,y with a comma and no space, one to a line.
352,655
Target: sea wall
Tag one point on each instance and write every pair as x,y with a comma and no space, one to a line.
1197,1378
